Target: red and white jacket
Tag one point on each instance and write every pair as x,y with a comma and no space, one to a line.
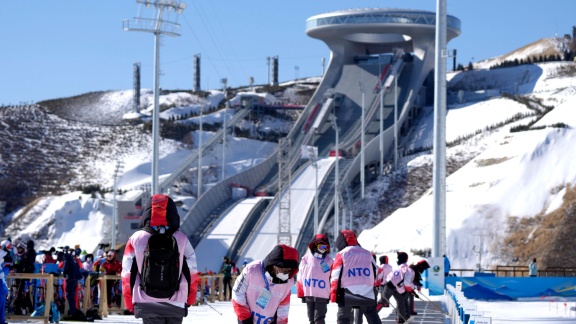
354,269
383,272
314,276
402,277
255,280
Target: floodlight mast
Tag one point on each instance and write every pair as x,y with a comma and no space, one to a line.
158,26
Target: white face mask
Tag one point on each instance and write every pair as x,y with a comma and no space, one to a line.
283,276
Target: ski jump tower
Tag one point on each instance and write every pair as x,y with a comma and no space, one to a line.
357,32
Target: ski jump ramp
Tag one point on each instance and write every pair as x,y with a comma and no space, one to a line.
352,36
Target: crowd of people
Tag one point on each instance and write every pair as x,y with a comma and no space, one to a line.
73,264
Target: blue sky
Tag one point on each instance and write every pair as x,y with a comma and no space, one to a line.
53,49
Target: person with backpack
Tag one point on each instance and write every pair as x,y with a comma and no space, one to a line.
159,271
313,284
262,292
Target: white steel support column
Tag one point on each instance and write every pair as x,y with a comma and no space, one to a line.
439,169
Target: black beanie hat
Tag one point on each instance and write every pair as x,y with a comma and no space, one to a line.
383,259
402,257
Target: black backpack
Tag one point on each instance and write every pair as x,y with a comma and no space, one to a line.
71,268
160,275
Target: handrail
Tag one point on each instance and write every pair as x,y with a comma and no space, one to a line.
518,271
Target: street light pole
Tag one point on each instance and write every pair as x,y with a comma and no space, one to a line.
117,171
337,179
381,120
362,173
313,155
224,82
159,26
200,154
395,119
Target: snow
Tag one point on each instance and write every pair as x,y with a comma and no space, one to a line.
541,311
479,195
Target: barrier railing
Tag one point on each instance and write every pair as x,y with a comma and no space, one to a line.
211,287
39,289
46,291
33,296
517,271
463,310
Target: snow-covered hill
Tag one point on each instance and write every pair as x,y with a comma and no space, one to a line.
511,182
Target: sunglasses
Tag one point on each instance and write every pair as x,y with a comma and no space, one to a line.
283,270
322,248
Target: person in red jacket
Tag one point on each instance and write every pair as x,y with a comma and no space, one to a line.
112,267
314,279
352,279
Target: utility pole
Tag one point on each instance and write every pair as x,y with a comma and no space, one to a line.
336,178
395,119
224,84
284,181
200,133
362,164
117,174
313,155
158,26
381,142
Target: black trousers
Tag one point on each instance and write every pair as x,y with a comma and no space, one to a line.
317,311
227,284
71,285
345,315
162,320
402,310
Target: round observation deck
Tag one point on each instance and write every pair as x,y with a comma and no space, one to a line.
378,25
